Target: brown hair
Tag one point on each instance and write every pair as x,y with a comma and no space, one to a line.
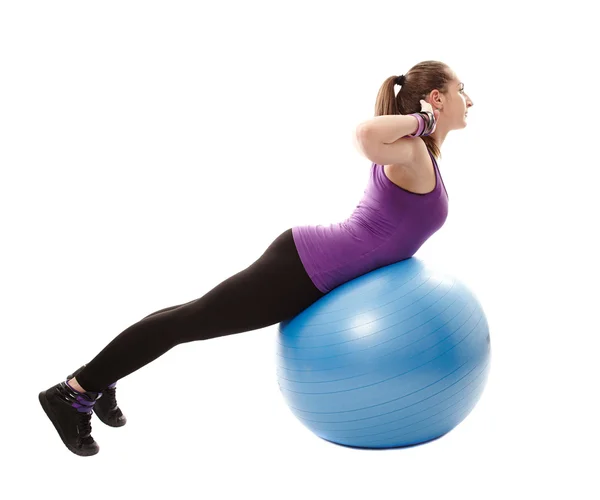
420,81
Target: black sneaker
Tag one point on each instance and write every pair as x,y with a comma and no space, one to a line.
71,412
106,408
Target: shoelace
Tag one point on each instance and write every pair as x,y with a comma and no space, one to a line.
84,426
110,397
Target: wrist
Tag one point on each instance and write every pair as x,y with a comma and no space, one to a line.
427,124
420,125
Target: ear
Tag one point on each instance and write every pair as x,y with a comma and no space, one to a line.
435,98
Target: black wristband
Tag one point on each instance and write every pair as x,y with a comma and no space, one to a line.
429,118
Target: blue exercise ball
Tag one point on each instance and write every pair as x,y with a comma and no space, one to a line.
396,357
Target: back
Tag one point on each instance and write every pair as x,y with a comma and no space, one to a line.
389,224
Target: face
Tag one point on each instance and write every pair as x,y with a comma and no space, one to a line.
458,103
454,104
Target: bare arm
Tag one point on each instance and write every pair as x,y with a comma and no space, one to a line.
388,128
383,139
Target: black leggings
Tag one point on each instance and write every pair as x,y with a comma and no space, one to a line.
274,288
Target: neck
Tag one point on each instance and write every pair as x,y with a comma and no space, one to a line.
439,136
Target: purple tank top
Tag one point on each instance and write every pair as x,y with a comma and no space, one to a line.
389,225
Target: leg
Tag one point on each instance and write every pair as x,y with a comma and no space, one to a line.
274,288
167,309
75,383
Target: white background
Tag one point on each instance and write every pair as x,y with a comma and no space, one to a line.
149,150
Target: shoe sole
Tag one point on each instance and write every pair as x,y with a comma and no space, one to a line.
46,406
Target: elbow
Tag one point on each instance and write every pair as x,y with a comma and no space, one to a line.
363,140
364,132
366,144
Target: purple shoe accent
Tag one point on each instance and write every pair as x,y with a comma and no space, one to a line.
83,404
85,401
112,386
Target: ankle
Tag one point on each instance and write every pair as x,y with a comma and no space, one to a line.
75,385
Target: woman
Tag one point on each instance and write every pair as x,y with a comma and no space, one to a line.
403,205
